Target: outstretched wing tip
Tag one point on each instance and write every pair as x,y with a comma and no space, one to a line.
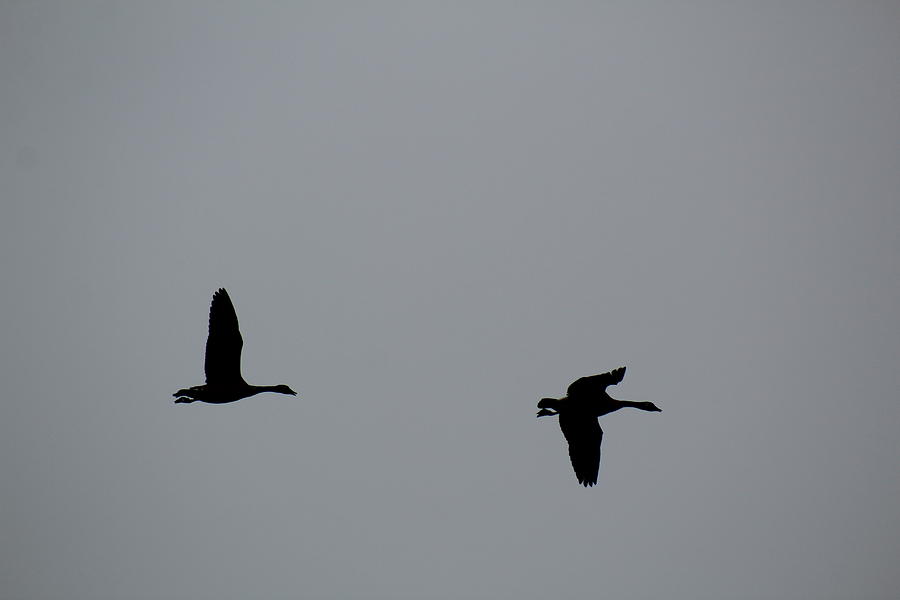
224,342
584,437
592,384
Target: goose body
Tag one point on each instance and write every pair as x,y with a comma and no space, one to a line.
224,382
585,400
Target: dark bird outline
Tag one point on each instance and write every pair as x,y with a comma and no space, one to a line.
222,364
585,400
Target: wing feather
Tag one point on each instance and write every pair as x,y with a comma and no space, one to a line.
595,384
584,435
224,344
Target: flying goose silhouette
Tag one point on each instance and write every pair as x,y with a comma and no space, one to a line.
224,382
585,400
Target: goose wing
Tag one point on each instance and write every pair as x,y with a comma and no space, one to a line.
223,346
584,435
595,384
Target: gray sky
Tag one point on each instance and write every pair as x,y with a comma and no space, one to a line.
429,216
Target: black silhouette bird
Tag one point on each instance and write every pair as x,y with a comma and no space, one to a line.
585,400
223,360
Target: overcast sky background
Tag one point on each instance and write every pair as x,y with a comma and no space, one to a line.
428,217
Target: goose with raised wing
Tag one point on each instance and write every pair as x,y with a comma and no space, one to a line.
585,400
224,382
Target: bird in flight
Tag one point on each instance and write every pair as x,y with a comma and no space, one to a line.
223,360
585,400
